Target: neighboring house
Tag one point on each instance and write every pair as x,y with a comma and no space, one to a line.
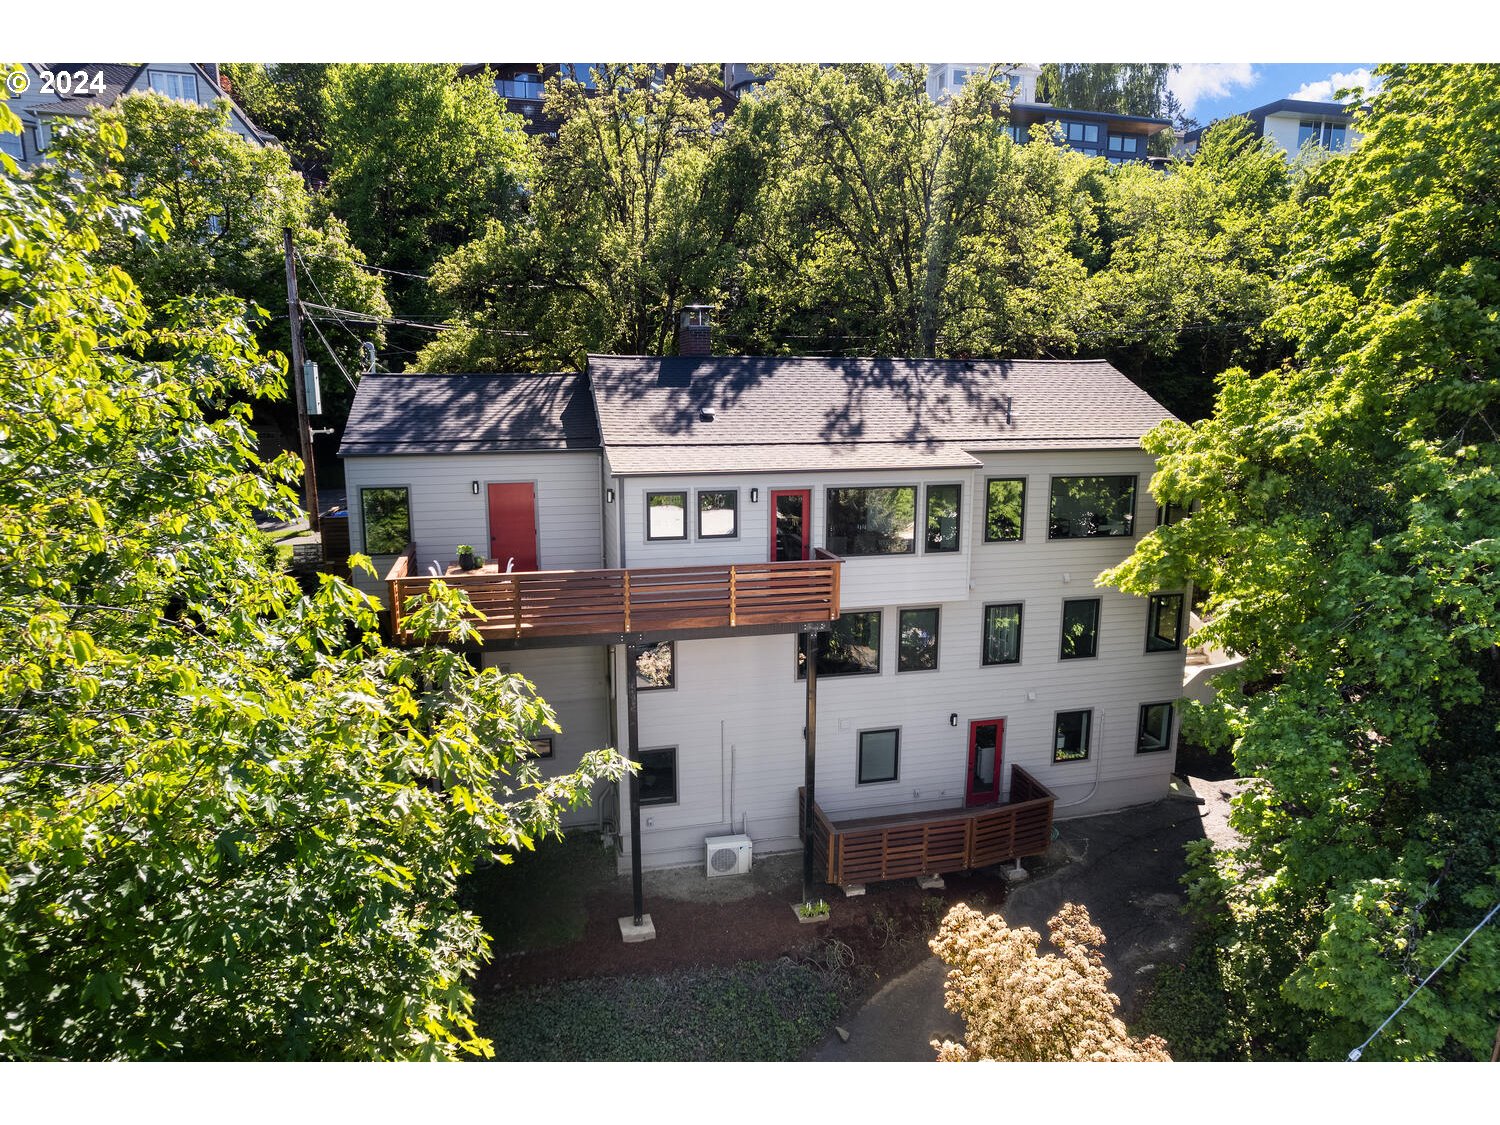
693,528
1292,124
67,91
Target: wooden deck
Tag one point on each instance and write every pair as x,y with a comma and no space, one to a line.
615,606
869,849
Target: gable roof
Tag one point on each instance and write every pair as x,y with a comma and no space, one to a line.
124,78
828,413
404,414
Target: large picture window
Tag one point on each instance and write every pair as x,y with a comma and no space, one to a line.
1004,510
386,513
879,755
872,521
655,666
1070,740
1156,728
917,641
666,515
943,506
1002,633
851,647
718,514
1080,628
658,777
1164,623
1086,507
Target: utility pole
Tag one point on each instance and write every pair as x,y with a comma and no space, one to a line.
299,388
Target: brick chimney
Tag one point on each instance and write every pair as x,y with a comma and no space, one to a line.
695,331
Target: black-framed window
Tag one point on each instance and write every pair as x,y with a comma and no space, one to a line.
386,513
851,647
718,513
1081,131
1119,143
944,503
1080,628
541,747
917,640
872,520
1164,623
658,776
879,755
1155,731
1004,509
1169,514
1002,633
1070,735
655,666
666,515
1087,507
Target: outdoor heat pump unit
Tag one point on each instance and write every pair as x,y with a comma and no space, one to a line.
727,855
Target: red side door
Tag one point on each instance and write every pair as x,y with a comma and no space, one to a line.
513,526
986,743
791,515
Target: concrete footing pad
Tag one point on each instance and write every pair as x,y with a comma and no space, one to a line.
646,931
853,890
1016,874
931,882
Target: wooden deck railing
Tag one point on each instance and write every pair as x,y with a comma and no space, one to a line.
869,849
552,604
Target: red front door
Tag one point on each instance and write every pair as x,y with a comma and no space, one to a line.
791,515
513,526
986,741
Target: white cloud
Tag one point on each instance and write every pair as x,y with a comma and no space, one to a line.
1324,91
1209,80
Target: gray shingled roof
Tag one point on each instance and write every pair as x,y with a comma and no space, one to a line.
395,414
858,413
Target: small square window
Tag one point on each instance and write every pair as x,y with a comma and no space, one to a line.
666,515
1004,509
1168,514
655,666
541,747
718,514
658,777
851,647
917,650
1080,628
1002,633
1070,741
879,755
386,513
1091,134
943,507
1164,623
1114,143
1156,728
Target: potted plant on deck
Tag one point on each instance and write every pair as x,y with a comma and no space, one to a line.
467,560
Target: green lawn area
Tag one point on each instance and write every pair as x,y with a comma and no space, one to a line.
750,1012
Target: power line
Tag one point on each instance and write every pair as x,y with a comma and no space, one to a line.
367,266
333,355
1355,1054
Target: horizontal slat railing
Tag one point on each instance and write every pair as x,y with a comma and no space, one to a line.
872,849
583,603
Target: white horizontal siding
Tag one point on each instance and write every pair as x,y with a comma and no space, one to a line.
574,682
445,511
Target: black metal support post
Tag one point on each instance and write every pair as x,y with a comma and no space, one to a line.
810,738
634,753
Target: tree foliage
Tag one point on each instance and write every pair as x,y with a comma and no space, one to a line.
1136,89
227,203
1021,1006
231,821
286,99
1348,529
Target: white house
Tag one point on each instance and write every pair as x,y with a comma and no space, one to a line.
927,531
64,91
1292,123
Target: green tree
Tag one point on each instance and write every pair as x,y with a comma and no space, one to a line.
1349,530
637,210
1135,89
286,99
227,202
231,821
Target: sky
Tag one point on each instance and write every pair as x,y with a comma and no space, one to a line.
1210,91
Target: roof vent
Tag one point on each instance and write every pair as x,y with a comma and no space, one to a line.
706,414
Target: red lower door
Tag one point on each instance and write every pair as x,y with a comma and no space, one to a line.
986,741
513,526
